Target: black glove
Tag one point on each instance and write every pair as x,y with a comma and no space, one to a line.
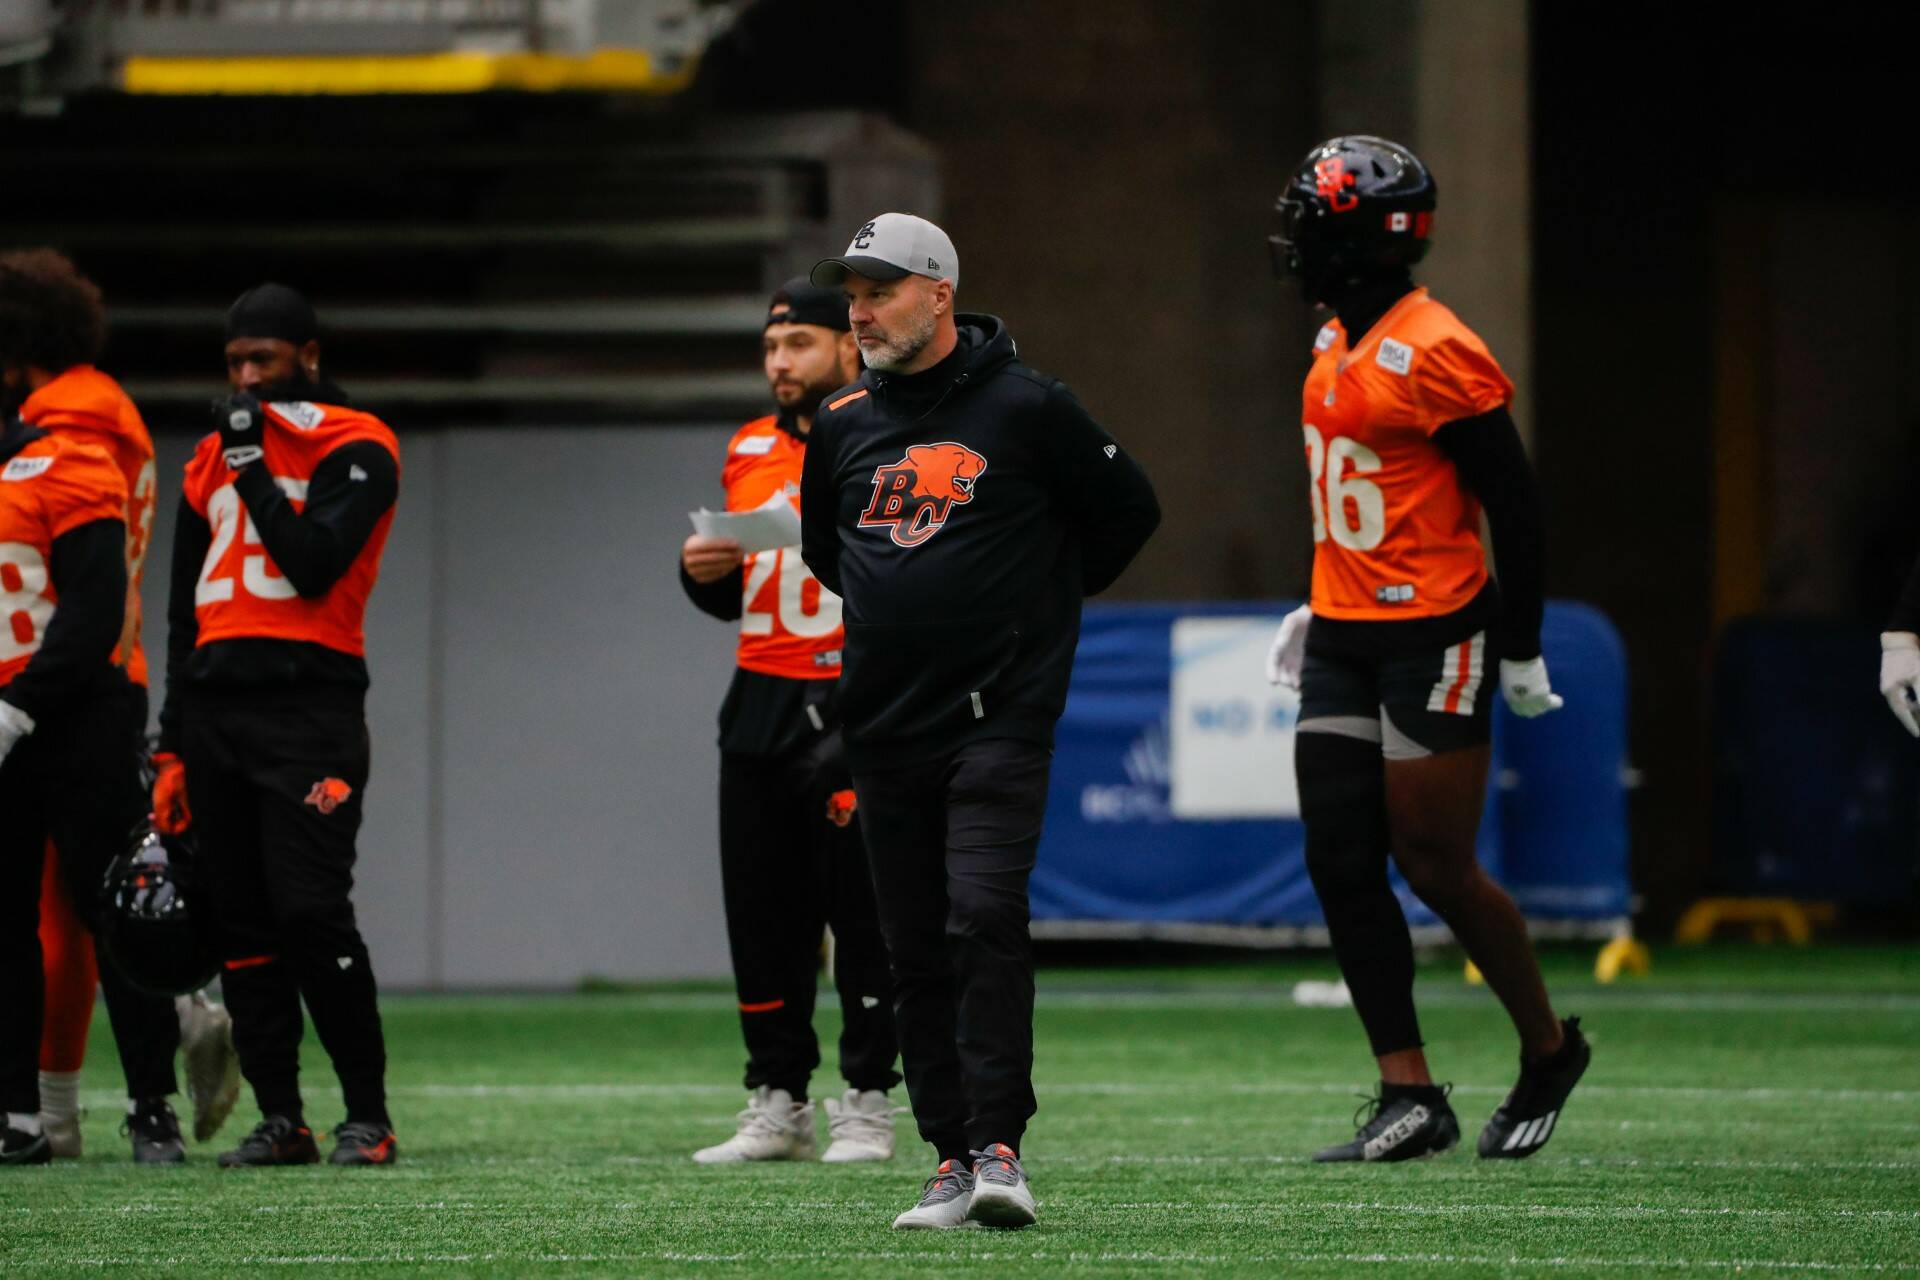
242,425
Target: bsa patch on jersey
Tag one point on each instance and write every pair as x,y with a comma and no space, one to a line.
300,413
753,445
1327,337
1394,357
26,468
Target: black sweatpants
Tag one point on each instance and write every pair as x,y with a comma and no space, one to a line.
786,871
75,778
951,844
275,782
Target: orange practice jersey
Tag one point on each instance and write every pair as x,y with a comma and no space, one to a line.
241,593
50,488
1395,534
789,623
86,405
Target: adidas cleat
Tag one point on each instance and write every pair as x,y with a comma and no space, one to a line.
276,1140
154,1132
1522,1124
1403,1122
861,1124
1002,1196
362,1142
944,1200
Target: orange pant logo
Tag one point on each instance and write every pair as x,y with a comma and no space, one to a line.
329,794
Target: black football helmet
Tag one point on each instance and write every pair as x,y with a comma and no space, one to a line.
1355,205
147,930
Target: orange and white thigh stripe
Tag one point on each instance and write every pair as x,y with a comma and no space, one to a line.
1460,672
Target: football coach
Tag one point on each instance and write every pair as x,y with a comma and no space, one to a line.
961,504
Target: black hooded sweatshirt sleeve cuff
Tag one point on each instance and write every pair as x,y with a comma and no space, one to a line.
89,572
721,598
1492,462
1906,611
312,548
1106,494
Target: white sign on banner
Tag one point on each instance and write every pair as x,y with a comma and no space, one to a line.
1232,732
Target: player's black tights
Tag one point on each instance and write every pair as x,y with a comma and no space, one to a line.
1343,802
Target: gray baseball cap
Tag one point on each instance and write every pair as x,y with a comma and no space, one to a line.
891,246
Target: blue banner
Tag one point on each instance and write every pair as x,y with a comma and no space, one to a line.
1116,851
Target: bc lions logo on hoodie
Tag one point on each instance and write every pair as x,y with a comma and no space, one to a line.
913,497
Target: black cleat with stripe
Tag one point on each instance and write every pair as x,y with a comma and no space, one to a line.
1524,1122
1403,1122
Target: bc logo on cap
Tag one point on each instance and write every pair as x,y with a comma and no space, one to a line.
863,237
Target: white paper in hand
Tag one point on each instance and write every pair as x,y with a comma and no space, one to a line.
773,524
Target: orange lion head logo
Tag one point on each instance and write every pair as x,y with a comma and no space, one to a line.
329,794
913,497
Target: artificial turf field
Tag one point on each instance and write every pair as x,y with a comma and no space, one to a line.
1749,1110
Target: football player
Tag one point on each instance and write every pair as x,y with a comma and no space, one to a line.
263,735
71,715
790,853
69,397
1408,441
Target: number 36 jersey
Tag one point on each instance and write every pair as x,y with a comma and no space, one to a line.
1395,533
241,593
789,623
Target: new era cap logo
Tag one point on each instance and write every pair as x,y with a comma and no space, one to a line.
932,265
1111,449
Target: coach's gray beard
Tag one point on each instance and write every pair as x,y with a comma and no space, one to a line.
890,357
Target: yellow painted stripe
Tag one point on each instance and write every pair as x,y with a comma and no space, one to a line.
630,70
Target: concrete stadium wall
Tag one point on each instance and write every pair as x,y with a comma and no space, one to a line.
542,713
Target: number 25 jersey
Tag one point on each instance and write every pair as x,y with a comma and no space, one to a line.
241,593
1396,535
789,623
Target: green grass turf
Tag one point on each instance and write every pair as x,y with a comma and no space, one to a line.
1749,1111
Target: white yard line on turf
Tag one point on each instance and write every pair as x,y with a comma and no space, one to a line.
996,1254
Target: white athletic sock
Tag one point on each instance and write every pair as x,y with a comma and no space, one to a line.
60,1094
27,1124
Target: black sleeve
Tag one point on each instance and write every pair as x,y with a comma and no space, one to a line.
1107,497
722,599
192,536
1492,463
351,489
1906,612
89,573
820,508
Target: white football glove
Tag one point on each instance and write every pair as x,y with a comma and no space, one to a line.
1899,676
1525,687
15,724
1289,650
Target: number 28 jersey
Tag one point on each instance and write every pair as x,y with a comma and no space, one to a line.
789,623
51,487
1396,535
241,593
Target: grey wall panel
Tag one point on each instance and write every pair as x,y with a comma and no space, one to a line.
393,884
578,696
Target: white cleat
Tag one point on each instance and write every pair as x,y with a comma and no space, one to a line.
213,1067
63,1135
773,1127
861,1126
1002,1196
944,1200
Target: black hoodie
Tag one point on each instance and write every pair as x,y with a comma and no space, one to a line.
961,513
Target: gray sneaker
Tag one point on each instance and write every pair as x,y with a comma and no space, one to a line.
1002,1197
944,1200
